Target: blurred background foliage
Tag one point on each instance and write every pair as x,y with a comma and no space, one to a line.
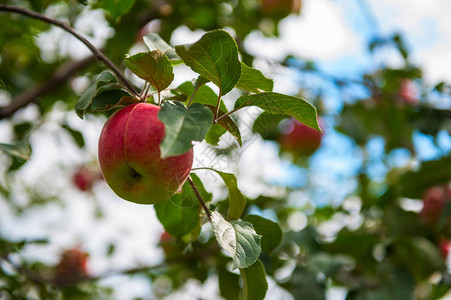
386,237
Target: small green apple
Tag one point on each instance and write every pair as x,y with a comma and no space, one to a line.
129,156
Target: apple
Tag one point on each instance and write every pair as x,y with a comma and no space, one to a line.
408,92
299,139
434,201
168,243
130,160
85,177
279,8
444,246
72,266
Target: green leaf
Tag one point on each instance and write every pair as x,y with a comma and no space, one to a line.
413,184
118,8
213,135
204,95
238,239
182,126
215,57
255,283
180,214
200,81
154,42
76,135
154,67
2,85
267,124
329,264
253,80
237,201
229,284
103,94
276,103
228,124
21,150
269,230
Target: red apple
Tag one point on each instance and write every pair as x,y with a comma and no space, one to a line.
444,246
279,8
129,156
408,92
168,243
299,139
72,266
434,201
85,177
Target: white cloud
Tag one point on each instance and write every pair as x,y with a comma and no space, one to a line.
426,25
320,33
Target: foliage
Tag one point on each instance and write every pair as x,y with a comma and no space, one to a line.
389,253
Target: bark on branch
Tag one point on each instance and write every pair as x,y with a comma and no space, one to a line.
61,75
98,54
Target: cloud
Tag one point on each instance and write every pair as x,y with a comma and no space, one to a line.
320,33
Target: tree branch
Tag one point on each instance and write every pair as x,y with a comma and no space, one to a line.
98,54
60,76
199,198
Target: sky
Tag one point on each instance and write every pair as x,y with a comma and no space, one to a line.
333,33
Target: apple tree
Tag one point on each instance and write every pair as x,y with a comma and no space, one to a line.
365,230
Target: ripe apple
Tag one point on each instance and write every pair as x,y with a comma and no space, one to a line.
169,245
72,266
85,177
444,246
408,92
279,8
299,139
129,156
434,201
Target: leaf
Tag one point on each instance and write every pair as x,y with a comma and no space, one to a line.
200,81
213,135
2,85
215,57
76,135
237,201
204,95
276,103
238,239
21,150
229,284
180,214
182,126
413,184
154,42
228,124
255,283
267,124
253,80
154,67
94,98
118,8
269,230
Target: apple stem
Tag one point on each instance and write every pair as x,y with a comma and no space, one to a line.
98,54
199,198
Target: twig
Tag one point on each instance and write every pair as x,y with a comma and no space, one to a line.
60,76
192,95
217,105
199,198
226,114
98,54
